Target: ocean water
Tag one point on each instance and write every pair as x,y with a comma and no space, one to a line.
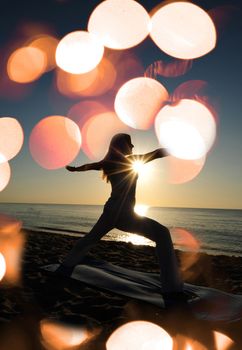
214,231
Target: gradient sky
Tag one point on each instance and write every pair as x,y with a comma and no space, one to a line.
219,185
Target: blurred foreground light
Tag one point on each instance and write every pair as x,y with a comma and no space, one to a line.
185,343
139,100
9,225
104,81
2,266
47,44
187,129
179,171
79,52
81,113
5,173
179,138
11,137
54,142
197,90
84,110
11,247
93,83
183,30
195,345
74,85
57,336
26,64
139,335
119,24
184,239
222,341
98,131
190,90
172,69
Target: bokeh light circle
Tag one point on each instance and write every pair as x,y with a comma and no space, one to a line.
197,90
185,239
181,139
113,23
190,90
222,341
98,131
94,83
106,75
97,137
138,335
55,141
57,336
79,52
172,69
183,30
11,246
26,64
187,129
82,111
47,44
11,138
179,171
138,101
5,174
2,266
9,225
74,85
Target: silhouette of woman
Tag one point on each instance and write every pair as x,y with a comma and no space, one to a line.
119,212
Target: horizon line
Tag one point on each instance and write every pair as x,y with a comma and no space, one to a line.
41,203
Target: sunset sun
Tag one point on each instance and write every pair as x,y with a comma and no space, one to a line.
138,166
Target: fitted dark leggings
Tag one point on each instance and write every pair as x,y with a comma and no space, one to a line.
130,222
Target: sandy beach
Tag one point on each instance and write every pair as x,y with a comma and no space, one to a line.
40,297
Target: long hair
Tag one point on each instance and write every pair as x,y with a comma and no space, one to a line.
115,154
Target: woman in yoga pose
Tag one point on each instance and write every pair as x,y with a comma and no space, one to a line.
119,212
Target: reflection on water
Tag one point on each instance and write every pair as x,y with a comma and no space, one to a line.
137,240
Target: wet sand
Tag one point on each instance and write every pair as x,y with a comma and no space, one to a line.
41,296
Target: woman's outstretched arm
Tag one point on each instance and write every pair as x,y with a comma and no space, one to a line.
85,167
148,157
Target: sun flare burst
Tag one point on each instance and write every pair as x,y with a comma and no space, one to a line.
143,170
138,166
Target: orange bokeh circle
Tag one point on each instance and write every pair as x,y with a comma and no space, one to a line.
55,141
26,64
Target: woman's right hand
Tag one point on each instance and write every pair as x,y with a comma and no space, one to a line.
70,168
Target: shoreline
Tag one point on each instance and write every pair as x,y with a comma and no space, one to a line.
75,235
